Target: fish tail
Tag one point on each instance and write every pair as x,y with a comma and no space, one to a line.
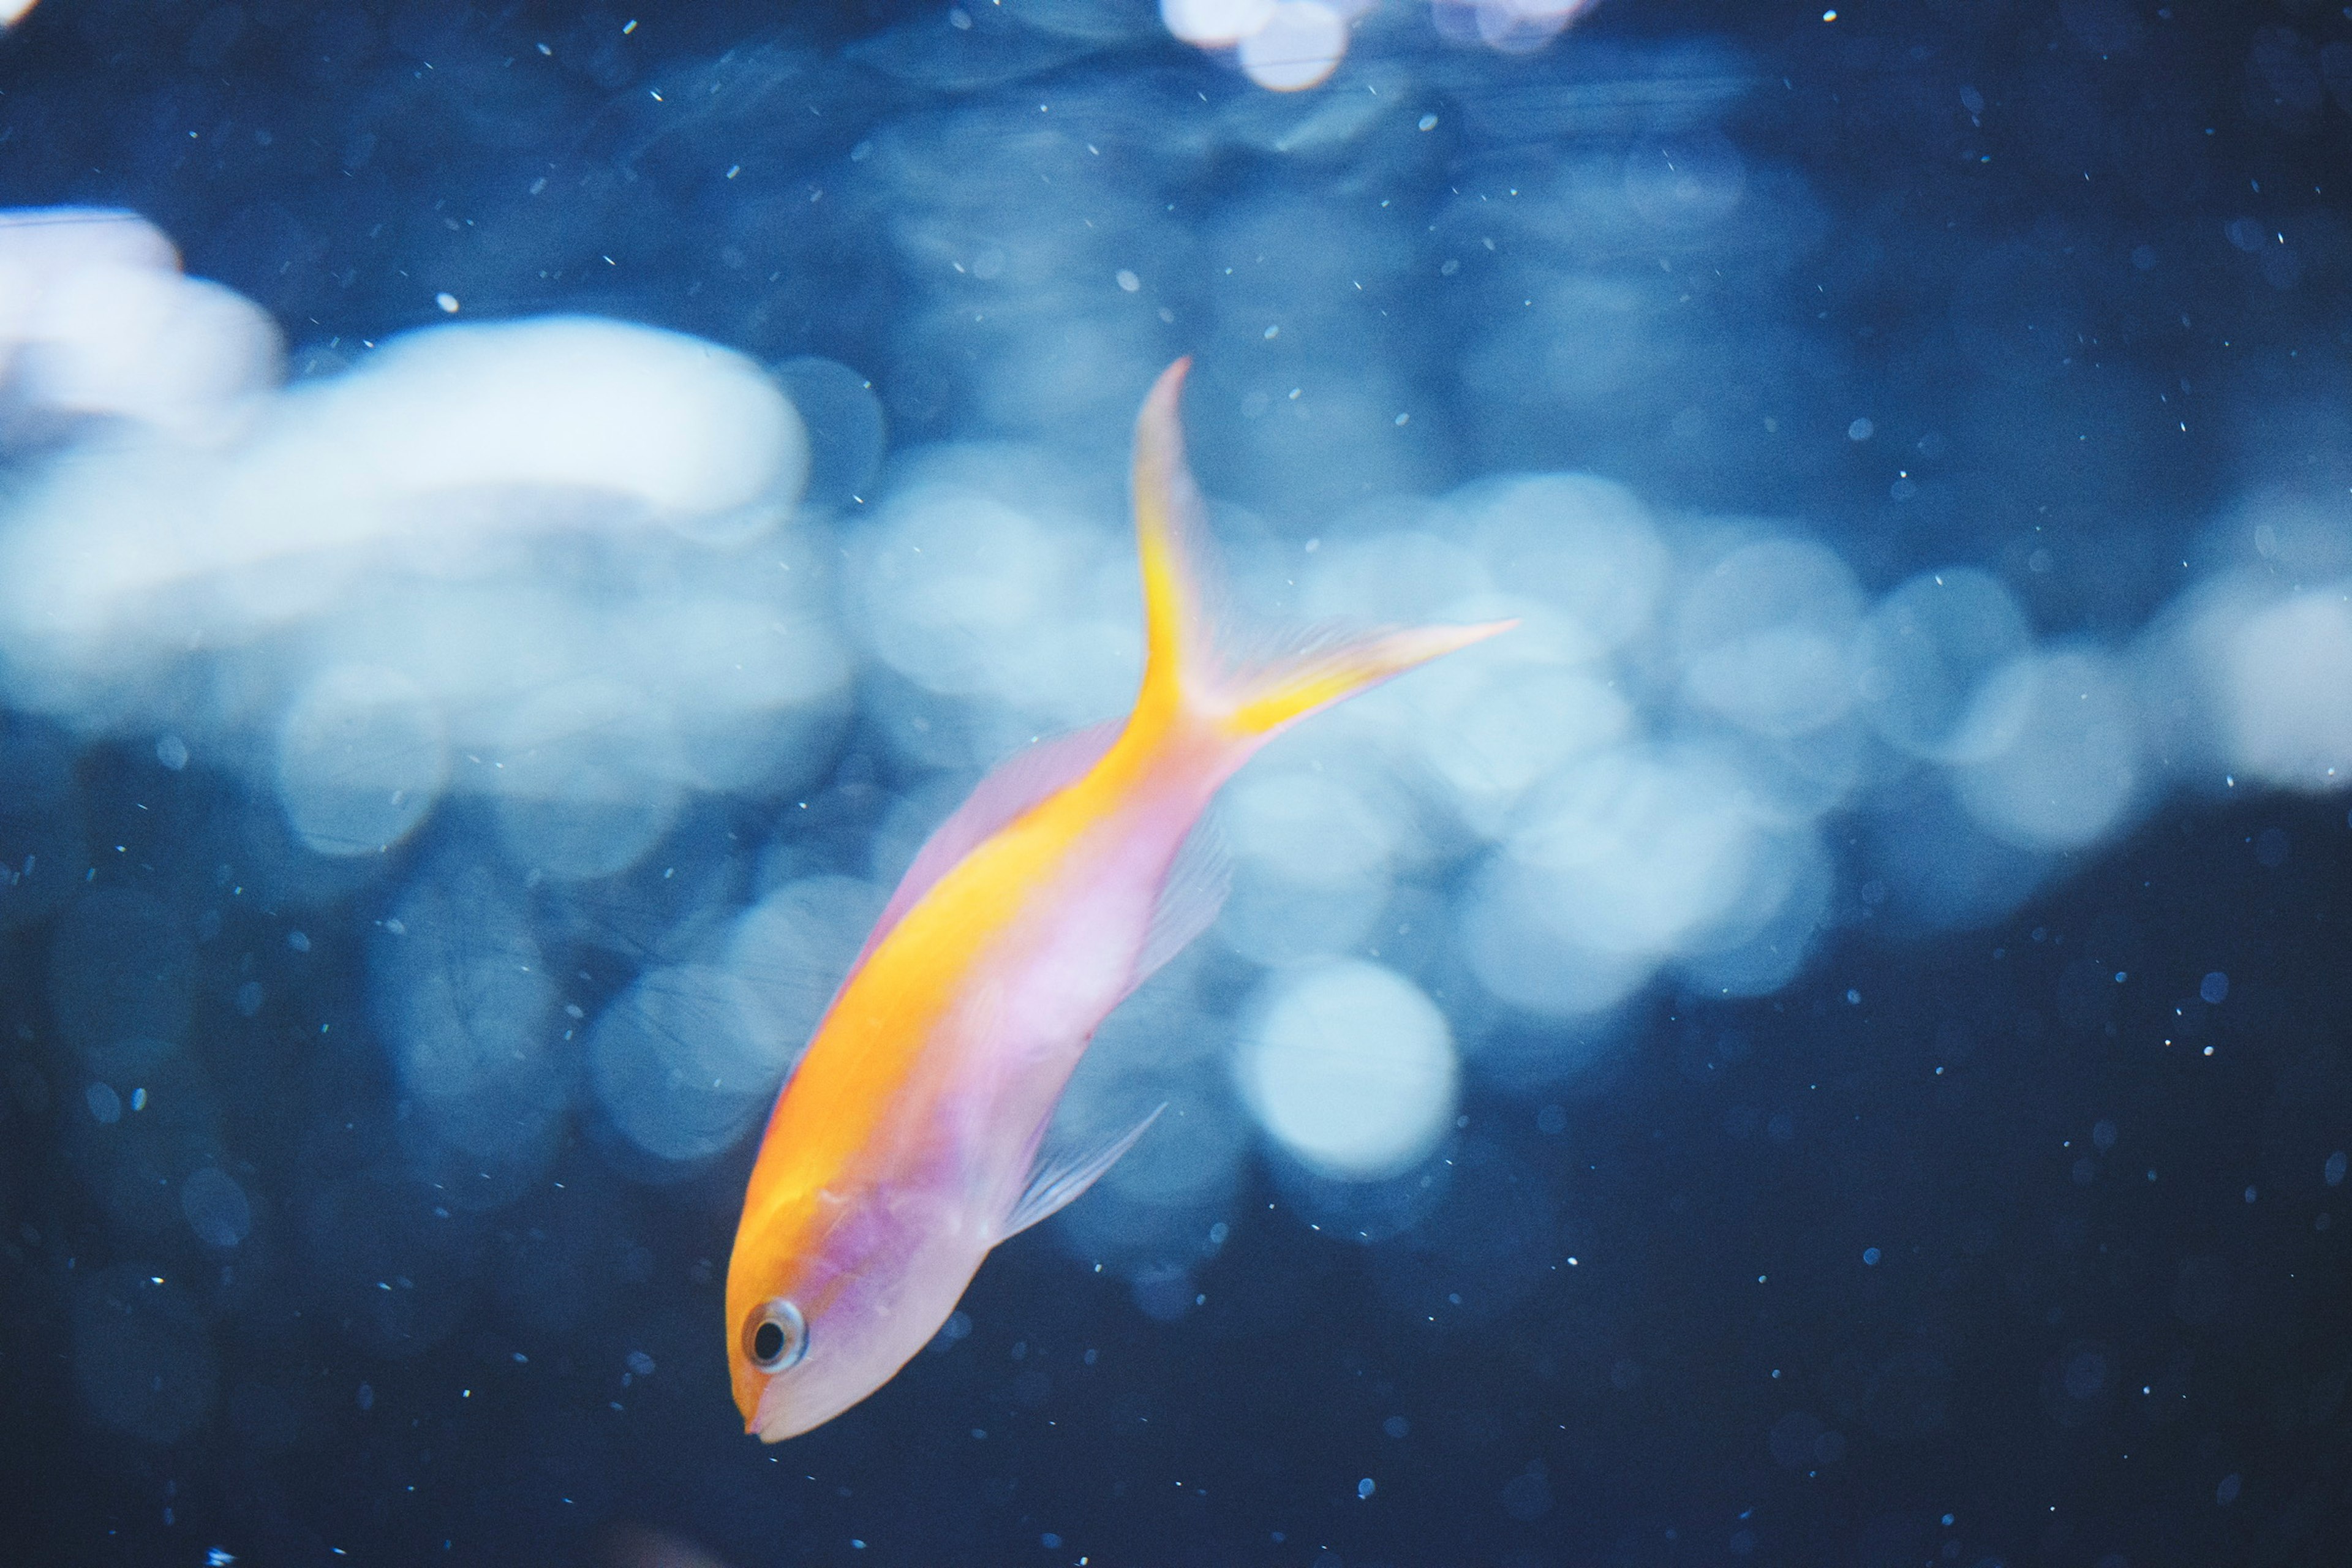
1192,677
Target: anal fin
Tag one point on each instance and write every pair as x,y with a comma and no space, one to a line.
1056,1183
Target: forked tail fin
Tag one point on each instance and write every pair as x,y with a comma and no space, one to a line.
1188,675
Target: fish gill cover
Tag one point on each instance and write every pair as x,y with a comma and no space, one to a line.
1826,1043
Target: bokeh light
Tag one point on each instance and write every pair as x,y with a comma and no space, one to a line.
1350,1068
447,771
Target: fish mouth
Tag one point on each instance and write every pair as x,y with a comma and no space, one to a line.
778,1417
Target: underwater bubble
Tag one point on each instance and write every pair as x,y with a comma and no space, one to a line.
1167,1197
1350,1068
2214,988
1276,923
120,332
2071,767
363,755
752,695
1398,575
1522,957
1924,651
105,1105
217,1207
2334,1168
968,595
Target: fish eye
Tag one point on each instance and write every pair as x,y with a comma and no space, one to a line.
776,1337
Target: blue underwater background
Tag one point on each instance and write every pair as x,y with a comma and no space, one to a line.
1826,1045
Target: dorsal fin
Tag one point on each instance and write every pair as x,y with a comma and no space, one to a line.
1016,784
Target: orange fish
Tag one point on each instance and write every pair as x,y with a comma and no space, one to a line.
908,1140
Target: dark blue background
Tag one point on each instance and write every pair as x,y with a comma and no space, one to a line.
2072,1361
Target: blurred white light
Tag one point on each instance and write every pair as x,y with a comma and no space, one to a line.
1398,576
1585,545
178,352
1640,850
96,319
1924,652
1298,47
1313,861
1308,827
750,687
1523,958
588,778
1274,922
793,949
1161,1202
1509,722
14,11
1216,23
1351,1068
361,756
2071,767
677,1066
1765,637
685,427
435,452
1763,942
2285,687
968,596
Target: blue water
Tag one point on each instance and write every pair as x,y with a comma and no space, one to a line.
1823,1046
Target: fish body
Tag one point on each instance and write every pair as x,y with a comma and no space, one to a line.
906,1142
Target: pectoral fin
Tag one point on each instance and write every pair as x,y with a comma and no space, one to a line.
1056,1181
